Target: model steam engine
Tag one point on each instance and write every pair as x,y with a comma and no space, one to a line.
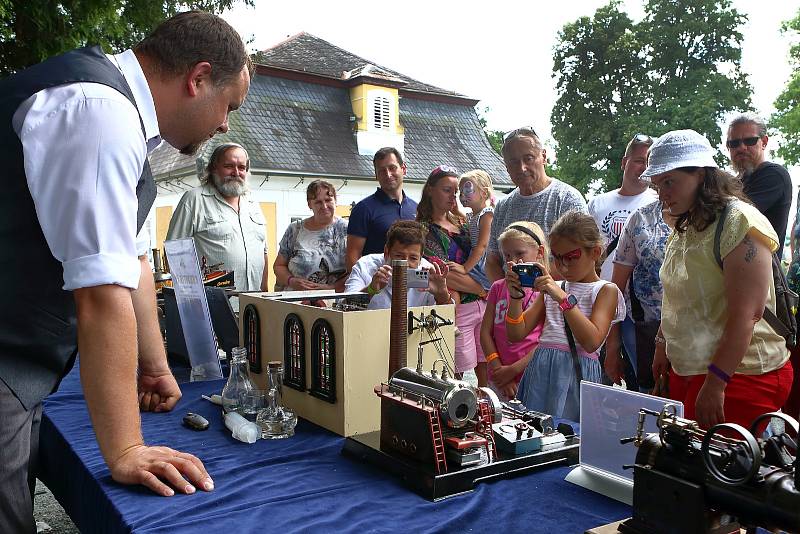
443,435
689,480
437,420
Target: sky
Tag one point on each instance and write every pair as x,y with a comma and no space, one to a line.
501,54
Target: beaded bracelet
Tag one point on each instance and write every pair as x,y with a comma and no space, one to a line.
659,340
518,320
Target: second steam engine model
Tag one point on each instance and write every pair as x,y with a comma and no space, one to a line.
689,480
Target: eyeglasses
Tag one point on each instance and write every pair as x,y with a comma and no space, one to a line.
749,141
641,139
443,169
525,131
568,257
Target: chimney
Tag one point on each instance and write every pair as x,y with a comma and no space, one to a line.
398,330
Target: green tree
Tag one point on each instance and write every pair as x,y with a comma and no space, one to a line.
599,72
677,68
495,137
787,115
32,30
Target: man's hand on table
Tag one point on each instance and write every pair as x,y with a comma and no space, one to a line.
158,392
153,466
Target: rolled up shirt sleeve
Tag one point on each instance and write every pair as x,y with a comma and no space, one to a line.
360,277
82,162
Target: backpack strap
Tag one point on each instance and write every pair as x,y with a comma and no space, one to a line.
768,315
718,233
576,362
611,247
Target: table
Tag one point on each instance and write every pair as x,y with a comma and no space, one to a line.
299,484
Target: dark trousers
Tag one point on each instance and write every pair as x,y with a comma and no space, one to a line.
19,452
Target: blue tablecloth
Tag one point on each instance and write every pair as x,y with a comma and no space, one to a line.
298,484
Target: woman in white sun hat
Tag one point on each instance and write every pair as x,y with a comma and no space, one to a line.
728,364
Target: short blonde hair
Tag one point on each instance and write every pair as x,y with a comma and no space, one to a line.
515,231
482,180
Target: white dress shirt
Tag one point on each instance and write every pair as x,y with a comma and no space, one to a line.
361,276
84,152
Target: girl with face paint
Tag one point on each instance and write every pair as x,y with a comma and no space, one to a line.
476,193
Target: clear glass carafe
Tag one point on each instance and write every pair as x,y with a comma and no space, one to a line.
238,382
276,421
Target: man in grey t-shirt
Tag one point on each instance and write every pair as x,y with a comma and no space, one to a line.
538,198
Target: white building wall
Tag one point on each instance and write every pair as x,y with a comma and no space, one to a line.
287,192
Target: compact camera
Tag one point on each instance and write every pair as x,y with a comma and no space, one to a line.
528,273
417,278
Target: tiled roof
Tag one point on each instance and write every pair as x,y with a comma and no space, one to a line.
450,134
308,53
299,127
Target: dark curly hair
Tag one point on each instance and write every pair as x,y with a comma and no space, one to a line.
713,194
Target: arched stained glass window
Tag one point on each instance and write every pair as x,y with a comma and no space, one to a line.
294,353
323,361
252,337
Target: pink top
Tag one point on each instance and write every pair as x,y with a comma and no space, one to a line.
510,352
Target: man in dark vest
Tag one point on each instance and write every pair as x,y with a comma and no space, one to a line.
764,182
75,132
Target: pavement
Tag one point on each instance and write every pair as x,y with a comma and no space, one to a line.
50,516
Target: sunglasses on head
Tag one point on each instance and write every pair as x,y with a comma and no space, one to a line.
443,169
525,131
749,141
641,139
567,257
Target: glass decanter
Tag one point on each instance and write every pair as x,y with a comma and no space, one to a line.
238,382
276,421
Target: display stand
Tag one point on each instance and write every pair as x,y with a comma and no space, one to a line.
423,479
609,414
190,293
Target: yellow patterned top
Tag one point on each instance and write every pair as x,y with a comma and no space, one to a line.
694,309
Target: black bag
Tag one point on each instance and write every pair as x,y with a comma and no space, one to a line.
783,321
645,341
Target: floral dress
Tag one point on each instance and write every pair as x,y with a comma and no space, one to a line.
449,246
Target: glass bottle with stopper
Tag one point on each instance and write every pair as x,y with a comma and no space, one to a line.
276,421
238,382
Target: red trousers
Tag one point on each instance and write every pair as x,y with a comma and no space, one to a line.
792,405
746,396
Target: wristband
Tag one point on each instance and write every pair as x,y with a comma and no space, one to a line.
722,375
371,291
518,320
492,357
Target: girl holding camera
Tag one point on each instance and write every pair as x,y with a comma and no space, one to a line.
575,316
521,241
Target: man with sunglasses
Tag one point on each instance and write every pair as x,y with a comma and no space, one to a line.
537,198
766,183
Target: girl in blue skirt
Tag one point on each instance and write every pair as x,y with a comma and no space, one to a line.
588,304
